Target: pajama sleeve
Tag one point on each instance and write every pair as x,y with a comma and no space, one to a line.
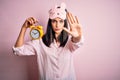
26,49
73,46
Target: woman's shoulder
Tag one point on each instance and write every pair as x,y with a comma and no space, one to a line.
34,42
40,42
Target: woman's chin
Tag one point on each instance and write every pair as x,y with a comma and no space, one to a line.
58,32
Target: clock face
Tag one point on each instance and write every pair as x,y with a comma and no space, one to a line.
35,34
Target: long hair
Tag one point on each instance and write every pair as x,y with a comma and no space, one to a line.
49,36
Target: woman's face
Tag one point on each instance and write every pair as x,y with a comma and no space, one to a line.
57,25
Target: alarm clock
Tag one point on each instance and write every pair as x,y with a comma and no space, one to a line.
36,32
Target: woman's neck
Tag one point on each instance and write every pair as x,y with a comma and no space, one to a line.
56,35
56,40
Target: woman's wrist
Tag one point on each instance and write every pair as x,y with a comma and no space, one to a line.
24,28
76,39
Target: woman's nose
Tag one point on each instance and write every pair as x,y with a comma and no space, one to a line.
58,24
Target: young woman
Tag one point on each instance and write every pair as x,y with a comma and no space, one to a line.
55,49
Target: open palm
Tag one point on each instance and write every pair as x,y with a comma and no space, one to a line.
75,27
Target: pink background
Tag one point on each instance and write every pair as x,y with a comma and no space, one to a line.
97,59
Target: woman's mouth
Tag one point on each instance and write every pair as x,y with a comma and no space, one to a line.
57,29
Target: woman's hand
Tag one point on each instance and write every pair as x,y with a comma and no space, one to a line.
75,28
29,22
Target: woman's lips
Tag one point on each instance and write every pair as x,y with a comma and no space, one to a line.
57,29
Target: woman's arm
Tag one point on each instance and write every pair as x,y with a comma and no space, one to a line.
25,49
20,40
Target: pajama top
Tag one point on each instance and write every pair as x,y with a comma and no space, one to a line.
54,63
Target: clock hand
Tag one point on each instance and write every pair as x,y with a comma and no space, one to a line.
33,32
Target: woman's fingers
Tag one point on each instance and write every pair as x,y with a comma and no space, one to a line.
68,18
71,18
31,20
76,19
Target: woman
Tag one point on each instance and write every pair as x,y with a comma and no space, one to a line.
54,50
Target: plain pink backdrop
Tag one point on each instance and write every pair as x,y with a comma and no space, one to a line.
97,59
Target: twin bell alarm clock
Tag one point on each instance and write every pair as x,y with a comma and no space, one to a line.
36,32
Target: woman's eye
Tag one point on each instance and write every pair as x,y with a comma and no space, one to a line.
53,21
61,21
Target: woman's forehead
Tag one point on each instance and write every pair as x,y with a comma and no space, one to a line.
57,19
